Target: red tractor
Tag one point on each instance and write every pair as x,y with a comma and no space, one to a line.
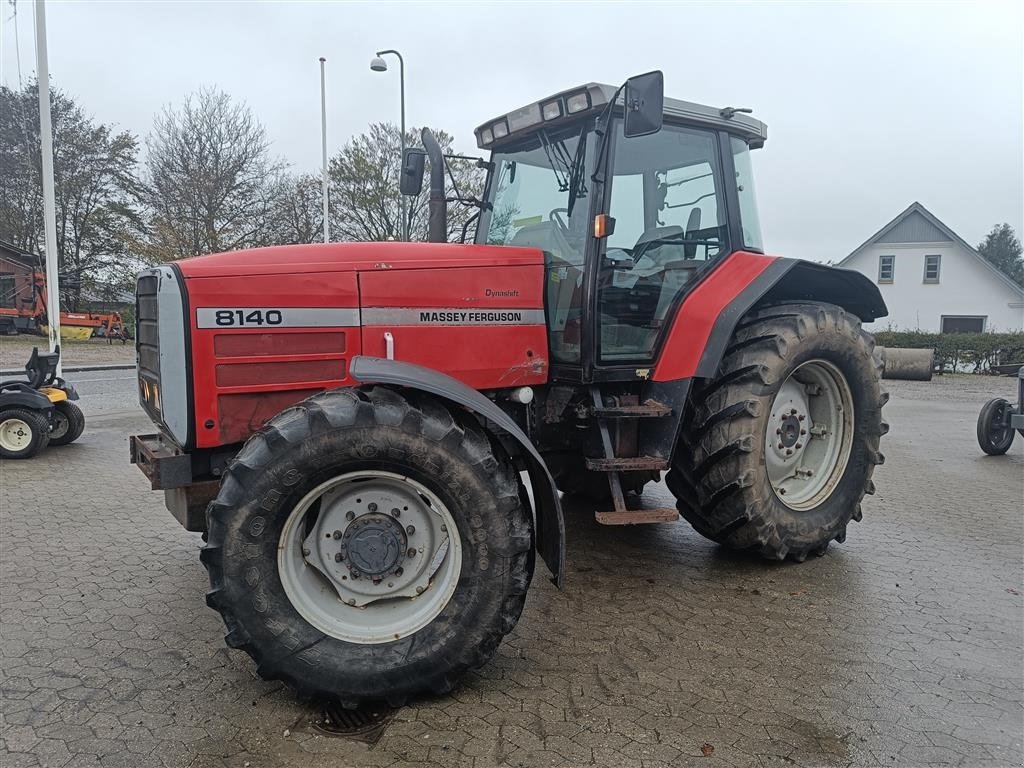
373,436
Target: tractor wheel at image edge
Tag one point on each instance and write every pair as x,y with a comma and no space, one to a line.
995,435
778,450
23,433
68,423
368,545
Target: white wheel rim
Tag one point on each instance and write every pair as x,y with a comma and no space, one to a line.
345,602
15,435
809,435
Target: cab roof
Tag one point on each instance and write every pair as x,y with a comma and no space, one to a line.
591,98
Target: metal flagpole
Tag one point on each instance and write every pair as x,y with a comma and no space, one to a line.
323,133
49,205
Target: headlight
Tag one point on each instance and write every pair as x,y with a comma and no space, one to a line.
486,137
578,102
551,110
500,129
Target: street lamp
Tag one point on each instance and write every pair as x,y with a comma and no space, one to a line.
377,64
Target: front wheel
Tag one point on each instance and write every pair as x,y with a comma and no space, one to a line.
369,546
23,433
779,449
68,423
995,435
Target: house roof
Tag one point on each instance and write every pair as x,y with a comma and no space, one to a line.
14,253
916,224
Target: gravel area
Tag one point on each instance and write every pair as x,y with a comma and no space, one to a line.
15,350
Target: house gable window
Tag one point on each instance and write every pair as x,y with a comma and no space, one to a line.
931,268
886,268
963,323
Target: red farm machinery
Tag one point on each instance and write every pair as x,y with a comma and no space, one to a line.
374,436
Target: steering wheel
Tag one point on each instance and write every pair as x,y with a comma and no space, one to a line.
554,215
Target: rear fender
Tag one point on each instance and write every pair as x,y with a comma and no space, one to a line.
550,524
696,343
24,398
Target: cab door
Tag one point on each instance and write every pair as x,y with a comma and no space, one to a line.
668,202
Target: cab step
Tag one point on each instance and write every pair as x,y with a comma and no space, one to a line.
627,464
648,410
637,516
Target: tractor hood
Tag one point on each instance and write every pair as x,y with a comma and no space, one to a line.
350,257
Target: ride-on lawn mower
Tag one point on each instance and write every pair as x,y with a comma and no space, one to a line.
351,423
999,420
38,412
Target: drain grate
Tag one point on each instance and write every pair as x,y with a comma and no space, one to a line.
366,724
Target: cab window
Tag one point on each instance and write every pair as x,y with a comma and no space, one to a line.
668,203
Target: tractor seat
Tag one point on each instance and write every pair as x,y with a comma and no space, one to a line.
42,369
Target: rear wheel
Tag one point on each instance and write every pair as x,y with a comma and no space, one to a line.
23,433
995,435
778,451
368,545
68,423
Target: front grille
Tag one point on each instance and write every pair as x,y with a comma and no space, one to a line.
147,343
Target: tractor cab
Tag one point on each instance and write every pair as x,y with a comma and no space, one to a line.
631,201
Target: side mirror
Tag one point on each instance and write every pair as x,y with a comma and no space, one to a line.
411,181
644,104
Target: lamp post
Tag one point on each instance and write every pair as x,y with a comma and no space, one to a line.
379,65
49,194
323,136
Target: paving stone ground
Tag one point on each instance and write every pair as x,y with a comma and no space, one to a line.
901,647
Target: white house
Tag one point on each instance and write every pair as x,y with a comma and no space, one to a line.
932,280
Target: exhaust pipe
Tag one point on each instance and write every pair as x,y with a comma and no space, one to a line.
437,210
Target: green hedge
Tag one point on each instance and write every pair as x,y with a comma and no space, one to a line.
974,352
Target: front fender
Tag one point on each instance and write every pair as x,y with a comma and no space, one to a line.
550,524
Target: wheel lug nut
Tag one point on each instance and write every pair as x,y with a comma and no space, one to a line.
411,529
802,417
792,412
803,431
350,516
396,512
781,446
789,451
399,571
778,431
411,552
799,445
305,552
337,534
338,557
351,601
419,590
372,506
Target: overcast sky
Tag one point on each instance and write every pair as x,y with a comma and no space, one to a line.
869,106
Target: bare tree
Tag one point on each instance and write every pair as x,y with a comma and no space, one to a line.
97,193
364,188
210,178
297,215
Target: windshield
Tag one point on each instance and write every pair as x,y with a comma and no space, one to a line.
540,195
540,199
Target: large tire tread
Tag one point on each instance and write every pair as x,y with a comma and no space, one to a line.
716,472
380,408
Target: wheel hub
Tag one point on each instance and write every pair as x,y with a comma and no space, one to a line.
373,545
789,432
809,435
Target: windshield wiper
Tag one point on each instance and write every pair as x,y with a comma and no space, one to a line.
578,179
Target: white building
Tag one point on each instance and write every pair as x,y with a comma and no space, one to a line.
932,280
